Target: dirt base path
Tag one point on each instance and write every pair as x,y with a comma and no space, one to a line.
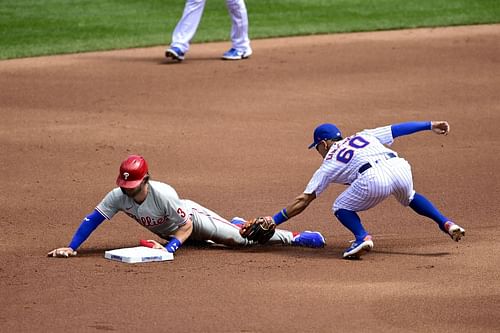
233,136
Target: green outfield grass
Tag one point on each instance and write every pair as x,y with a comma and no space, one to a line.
32,28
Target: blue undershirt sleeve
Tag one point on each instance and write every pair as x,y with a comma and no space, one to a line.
409,128
89,224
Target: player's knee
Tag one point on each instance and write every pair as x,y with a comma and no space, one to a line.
406,199
336,207
405,202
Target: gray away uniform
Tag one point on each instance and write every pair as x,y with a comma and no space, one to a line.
163,212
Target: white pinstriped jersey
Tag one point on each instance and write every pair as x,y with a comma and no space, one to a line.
345,157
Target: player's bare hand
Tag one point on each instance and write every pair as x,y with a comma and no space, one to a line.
440,127
157,245
62,252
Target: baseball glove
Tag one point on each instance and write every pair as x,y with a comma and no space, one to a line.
260,229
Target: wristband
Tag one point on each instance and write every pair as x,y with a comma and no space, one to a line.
173,245
280,217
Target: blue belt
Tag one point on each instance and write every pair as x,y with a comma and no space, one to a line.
368,165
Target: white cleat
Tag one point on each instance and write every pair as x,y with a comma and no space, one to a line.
455,231
234,54
358,248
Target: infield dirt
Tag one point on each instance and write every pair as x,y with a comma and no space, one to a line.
233,136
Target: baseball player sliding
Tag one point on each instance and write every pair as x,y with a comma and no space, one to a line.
188,24
157,207
373,173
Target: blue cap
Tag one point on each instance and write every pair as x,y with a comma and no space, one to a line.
325,132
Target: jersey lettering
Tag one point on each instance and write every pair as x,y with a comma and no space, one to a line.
147,221
346,154
181,213
358,142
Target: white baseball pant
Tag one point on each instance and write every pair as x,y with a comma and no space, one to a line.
193,11
384,178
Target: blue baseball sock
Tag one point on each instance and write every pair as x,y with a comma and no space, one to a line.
351,221
423,206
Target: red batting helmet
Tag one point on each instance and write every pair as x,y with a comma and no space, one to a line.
132,172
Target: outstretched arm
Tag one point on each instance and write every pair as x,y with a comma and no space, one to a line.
261,229
294,208
439,127
88,225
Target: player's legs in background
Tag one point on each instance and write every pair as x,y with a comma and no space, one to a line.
239,29
187,25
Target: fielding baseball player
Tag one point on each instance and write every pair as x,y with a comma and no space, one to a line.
373,173
188,24
157,207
